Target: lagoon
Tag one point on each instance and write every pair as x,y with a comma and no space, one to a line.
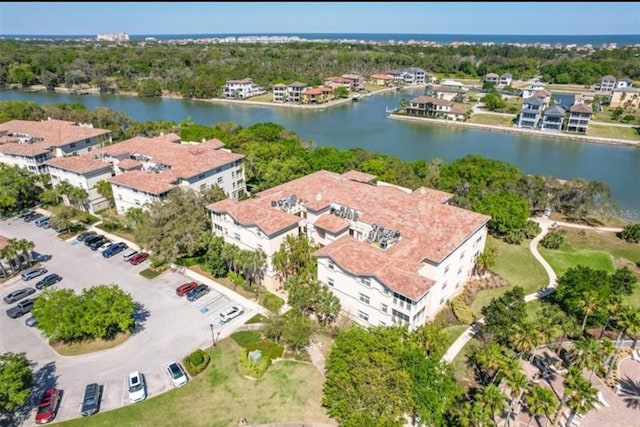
364,124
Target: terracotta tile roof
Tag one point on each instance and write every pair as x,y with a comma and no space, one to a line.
9,145
331,223
243,81
338,80
298,85
542,93
313,91
431,100
212,143
128,164
358,176
457,111
430,230
56,133
78,164
581,108
250,213
381,76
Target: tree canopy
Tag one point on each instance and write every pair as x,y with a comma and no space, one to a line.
16,379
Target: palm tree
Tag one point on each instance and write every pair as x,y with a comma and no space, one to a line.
589,305
612,311
103,187
525,337
489,359
11,251
517,382
24,247
540,401
3,257
485,260
587,353
582,398
491,398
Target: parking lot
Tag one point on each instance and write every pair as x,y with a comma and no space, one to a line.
169,327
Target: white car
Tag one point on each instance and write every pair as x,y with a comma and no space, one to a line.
231,313
176,374
137,390
126,256
105,246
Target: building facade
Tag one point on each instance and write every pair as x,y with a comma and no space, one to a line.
391,255
531,113
579,117
628,96
434,107
241,89
553,118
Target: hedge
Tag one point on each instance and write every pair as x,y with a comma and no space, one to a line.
196,362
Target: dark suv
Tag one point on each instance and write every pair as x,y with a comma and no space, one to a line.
198,292
22,308
91,400
90,240
49,280
95,244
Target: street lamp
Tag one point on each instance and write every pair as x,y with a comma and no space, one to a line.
217,337
213,338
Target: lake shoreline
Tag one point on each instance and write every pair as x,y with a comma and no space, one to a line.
520,131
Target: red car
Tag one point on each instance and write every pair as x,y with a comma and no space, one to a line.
185,288
48,406
138,258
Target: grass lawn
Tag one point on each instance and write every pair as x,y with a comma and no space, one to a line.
453,332
220,396
490,119
517,266
616,132
90,346
265,97
258,318
461,371
243,338
605,115
566,88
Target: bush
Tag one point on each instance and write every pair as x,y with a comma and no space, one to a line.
461,310
188,262
111,224
631,233
552,240
250,368
531,229
87,218
272,302
196,362
155,262
514,237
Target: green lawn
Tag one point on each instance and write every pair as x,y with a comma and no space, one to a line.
491,119
219,397
615,132
517,266
461,371
453,332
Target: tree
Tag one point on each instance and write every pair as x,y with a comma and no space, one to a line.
581,395
212,194
312,297
103,187
431,339
341,92
589,305
486,260
493,101
540,401
492,399
526,338
295,257
16,379
149,88
19,189
508,211
296,331
213,260
630,233
64,217
274,326
623,281
488,360
502,313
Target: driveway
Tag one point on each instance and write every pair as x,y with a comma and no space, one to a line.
169,328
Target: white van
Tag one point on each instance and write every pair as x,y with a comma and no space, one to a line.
42,221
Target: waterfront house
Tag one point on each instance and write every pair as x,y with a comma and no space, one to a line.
397,77
531,113
531,90
381,79
491,78
545,95
357,82
429,106
241,89
142,170
505,79
279,93
448,92
318,95
628,96
391,255
291,93
553,118
607,84
579,117
624,82
336,82
29,144
413,76
430,77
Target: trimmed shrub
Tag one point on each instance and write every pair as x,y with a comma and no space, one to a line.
514,237
251,368
196,362
461,310
552,240
531,229
87,218
272,302
631,233
188,262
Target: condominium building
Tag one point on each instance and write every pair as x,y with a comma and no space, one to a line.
579,117
241,89
142,170
531,113
29,144
391,255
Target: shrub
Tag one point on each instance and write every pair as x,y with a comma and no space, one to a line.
251,368
155,262
461,310
531,229
514,237
631,233
237,279
272,302
111,224
552,240
196,362
87,218
188,262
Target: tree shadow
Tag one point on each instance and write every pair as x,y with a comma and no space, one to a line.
140,315
43,379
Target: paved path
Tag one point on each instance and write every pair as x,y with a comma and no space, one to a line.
316,356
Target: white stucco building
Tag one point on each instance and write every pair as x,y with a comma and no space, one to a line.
391,255
240,89
142,170
29,144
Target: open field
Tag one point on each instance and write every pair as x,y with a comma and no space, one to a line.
265,97
605,116
491,119
616,132
220,396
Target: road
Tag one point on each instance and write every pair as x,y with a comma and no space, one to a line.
170,327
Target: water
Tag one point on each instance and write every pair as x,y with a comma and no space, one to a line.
363,124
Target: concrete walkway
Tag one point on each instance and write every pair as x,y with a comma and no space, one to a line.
316,356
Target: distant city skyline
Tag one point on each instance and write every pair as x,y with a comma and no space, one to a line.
491,18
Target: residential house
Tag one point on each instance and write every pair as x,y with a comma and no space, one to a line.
357,82
430,77
142,170
279,93
391,255
449,93
434,107
241,89
553,118
505,79
579,116
452,83
318,95
623,83
397,77
29,144
381,79
531,90
291,93
413,76
625,97
491,78
607,84
336,82
531,113
545,95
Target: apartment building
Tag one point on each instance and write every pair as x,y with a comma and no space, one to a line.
29,144
289,93
391,255
241,89
142,170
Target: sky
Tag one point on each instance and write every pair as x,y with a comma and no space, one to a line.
514,18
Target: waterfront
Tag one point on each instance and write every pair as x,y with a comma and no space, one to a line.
364,124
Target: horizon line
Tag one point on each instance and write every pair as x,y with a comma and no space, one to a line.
327,32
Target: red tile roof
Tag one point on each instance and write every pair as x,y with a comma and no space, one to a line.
431,100
331,223
313,91
128,164
250,213
78,164
381,76
359,176
542,93
338,80
581,108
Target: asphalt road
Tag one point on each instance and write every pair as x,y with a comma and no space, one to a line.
170,327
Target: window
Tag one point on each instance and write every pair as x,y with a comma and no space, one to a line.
330,282
219,180
441,300
137,202
462,255
259,246
386,291
444,285
331,265
365,281
364,316
446,269
459,271
364,298
201,176
383,307
399,318
236,236
382,323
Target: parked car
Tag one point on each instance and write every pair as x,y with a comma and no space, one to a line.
90,240
176,374
22,308
41,221
231,313
129,254
138,258
33,273
185,288
91,400
45,224
14,296
31,321
105,245
137,390
197,292
86,235
98,243
48,406
49,280
113,249
24,213
32,217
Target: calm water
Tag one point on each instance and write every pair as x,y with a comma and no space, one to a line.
363,124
